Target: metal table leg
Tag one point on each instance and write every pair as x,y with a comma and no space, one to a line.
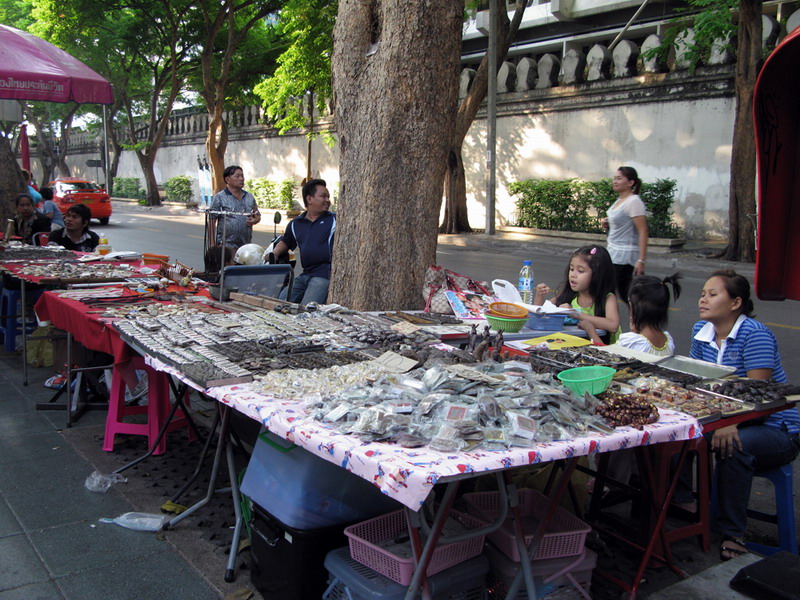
222,446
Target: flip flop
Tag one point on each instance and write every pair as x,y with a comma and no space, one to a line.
732,552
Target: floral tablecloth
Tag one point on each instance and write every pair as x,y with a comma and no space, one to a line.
408,475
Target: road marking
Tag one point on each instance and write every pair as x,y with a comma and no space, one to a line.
197,237
782,325
151,229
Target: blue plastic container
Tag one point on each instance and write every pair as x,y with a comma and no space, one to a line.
539,322
305,491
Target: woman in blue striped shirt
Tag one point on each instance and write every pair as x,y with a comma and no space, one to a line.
729,335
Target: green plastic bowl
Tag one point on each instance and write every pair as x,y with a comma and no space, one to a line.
506,325
594,379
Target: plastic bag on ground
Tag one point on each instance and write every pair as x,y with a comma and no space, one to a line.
139,521
99,482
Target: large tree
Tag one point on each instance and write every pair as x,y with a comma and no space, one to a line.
712,22
455,182
225,29
300,87
395,82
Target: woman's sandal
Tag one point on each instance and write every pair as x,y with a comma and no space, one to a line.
731,552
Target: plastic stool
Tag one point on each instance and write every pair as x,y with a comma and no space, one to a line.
157,409
781,478
9,322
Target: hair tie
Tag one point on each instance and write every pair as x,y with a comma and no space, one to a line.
593,250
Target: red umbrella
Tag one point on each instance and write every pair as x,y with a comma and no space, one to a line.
33,69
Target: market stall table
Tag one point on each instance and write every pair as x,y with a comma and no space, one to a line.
409,475
86,325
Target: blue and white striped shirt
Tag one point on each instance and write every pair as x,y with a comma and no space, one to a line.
750,345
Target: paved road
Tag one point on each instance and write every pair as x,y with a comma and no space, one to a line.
179,233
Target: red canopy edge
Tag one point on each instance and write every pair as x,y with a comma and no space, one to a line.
34,69
776,111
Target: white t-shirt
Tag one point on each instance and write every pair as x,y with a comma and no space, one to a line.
636,341
623,237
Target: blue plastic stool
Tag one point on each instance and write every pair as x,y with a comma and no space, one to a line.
9,323
781,478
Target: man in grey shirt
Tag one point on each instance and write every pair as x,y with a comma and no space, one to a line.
234,199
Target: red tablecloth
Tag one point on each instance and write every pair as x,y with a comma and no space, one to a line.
85,326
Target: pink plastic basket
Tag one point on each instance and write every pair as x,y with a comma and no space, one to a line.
565,534
365,537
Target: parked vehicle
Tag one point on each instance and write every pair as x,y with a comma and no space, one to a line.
68,191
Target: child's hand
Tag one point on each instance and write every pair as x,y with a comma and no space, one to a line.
590,330
542,289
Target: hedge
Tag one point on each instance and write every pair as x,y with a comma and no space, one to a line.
271,194
128,187
576,205
179,189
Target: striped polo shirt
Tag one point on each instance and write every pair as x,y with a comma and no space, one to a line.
750,345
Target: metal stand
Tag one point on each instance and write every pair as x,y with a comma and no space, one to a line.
72,405
178,392
222,446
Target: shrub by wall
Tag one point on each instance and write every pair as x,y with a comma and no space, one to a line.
128,187
575,205
271,194
179,189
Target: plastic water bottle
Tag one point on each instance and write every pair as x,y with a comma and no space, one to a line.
103,247
525,285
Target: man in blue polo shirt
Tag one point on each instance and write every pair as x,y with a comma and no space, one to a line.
313,233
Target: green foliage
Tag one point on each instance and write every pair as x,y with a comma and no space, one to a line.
128,187
286,194
179,189
575,205
272,195
304,69
711,21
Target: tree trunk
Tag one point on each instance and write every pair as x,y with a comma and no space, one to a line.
742,202
11,183
146,162
216,145
456,219
395,80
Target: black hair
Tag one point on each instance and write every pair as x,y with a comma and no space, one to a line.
649,300
22,195
737,286
630,173
212,258
310,188
231,170
47,193
603,282
83,211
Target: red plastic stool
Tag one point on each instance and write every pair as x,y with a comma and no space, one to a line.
702,526
157,409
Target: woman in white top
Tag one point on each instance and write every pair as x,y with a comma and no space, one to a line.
627,229
649,305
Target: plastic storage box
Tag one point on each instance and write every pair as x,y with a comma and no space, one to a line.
555,578
350,580
366,538
287,563
565,534
539,322
305,491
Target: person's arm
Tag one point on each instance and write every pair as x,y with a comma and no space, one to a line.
610,322
280,249
641,228
542,290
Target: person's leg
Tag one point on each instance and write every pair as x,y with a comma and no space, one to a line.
299,288
624,274
764,448
316,290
